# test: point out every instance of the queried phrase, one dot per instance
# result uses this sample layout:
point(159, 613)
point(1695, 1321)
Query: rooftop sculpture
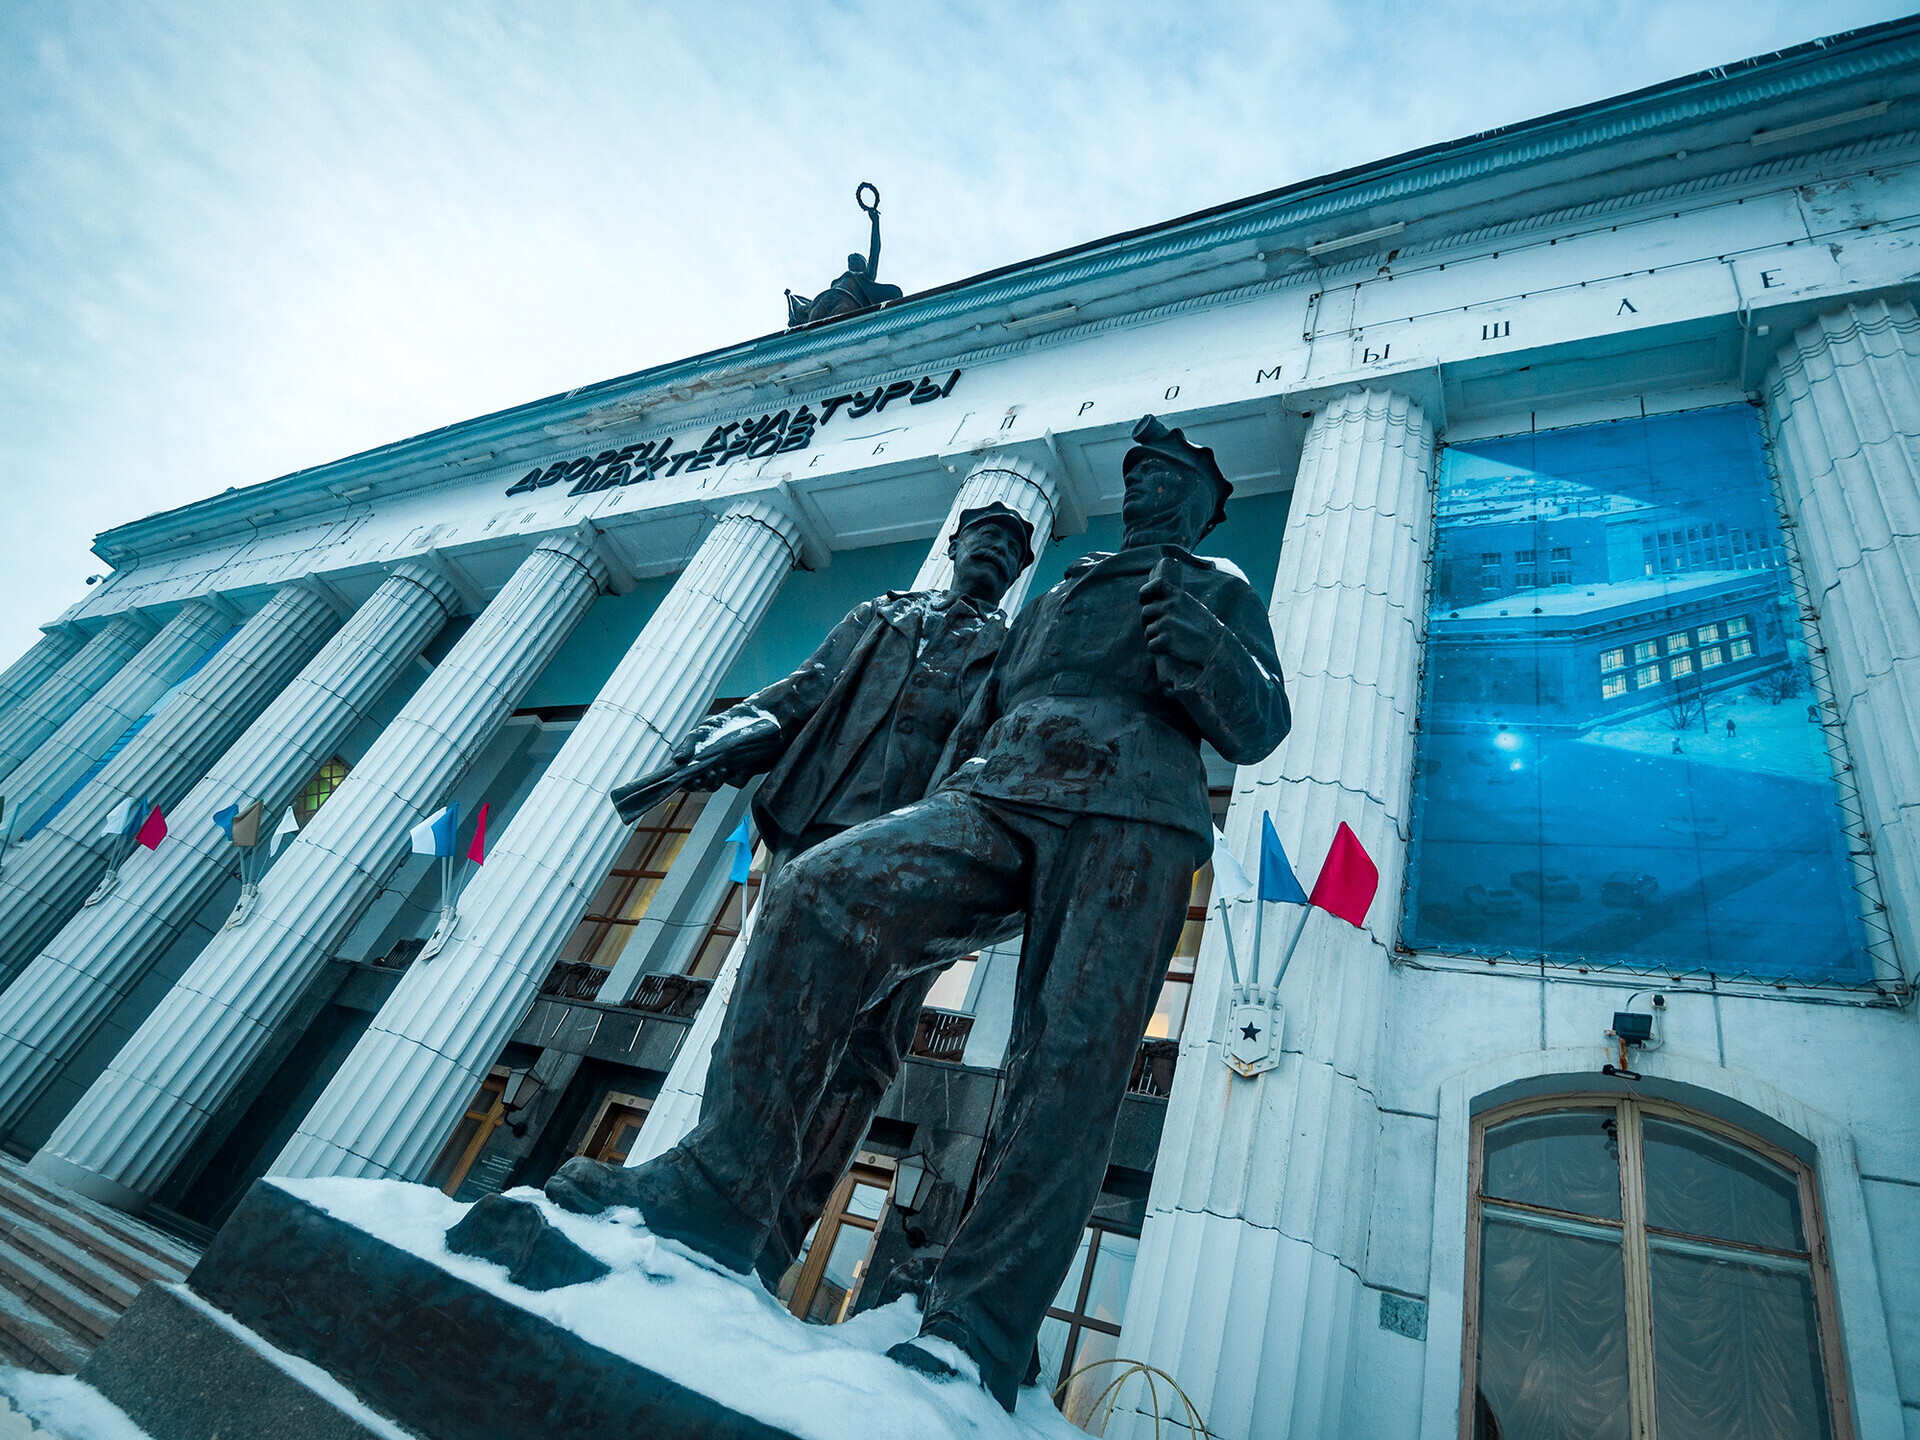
point(856, 290)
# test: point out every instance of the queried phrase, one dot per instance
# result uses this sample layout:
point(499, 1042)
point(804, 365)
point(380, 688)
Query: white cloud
point(244, 238)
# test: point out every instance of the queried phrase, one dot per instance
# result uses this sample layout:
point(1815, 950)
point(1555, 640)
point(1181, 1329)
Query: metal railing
point(941, 1035)
point(1153, 1066)
point(678, 995)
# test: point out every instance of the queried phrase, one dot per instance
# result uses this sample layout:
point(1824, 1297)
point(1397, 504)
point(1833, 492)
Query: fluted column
point(51, 874)
point(1843, 406)
point(1257, 1220)
point(72, 986)
point(390, 1108)
point(36, 787)
point(32, 670)
point(126, 1134)
point(1017, 484)
point(1021, 486)
point(51, 703)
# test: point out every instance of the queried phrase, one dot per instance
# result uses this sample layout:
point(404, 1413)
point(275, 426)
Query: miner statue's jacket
point(1074, 716)
point(866, 716)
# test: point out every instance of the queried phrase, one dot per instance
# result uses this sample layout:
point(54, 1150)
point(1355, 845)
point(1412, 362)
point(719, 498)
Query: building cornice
point(1697, 120)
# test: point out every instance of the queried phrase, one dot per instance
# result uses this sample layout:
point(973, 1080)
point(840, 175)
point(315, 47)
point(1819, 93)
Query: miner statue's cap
point(1151, 438)
point(1001, 514)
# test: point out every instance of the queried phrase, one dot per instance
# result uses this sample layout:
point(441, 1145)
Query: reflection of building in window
point(1561, 552)
point(1633, 1265)
point(821, 1285)
point(1560, 576)
point(314, 794)
point(1521, 753)
point(1083, 1323)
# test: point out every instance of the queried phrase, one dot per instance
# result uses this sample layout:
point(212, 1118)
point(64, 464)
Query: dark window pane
point(1553, 1332)
point(1704, 1185)
point(1736, 1349)
point(1569, 1160)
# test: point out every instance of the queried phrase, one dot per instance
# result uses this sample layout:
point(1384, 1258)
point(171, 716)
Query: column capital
point(430, 579)
point(583, 554)
point(781, 512)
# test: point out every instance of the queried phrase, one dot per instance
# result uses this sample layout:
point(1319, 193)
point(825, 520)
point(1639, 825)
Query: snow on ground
point(712, 1331)
point(1773, 739)
point(59, 1406)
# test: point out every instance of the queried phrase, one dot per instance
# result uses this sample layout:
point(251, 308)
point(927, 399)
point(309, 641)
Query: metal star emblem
point(1250, 1031)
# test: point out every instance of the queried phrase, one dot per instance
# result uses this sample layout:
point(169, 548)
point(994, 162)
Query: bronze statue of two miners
point(941, 783)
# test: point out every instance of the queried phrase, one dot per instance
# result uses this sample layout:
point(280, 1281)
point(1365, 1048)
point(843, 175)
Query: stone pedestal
point(126, 1134)
point(51, 703)
point(47, 880)
point(1843, 409)
point(400, 1093)
point(298, 1326)
point(73, 985)
point(1248, 1279)
point(89, 731)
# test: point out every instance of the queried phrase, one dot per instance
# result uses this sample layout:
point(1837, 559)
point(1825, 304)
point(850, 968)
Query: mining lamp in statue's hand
point(1181, 632)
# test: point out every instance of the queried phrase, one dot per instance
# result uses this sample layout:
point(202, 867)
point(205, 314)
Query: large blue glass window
point(1621, 755)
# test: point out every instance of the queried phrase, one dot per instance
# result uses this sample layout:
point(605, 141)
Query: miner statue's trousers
point(881, 907)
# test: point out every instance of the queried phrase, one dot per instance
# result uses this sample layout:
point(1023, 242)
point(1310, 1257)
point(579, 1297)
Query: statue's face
point(1166, 504)
point(987, 555)
point(857, 264)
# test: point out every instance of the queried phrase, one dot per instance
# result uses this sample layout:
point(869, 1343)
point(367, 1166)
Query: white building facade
point(1580, 465)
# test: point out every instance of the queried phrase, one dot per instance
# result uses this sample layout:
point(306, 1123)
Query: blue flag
point(225, 818)
point(743, 854)
point(434, 835)
point(1276, 872)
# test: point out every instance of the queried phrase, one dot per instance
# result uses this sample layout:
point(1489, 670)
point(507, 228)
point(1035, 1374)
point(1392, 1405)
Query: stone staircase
point(69, 1269)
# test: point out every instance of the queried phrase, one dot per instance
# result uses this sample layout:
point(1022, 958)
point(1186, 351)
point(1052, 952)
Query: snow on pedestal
point(719, 1334)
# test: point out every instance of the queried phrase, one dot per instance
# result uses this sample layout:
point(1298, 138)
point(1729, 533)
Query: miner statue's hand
point(1181, 632)
point(726, 748)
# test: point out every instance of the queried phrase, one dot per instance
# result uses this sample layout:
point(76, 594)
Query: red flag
point(152, 830)
point(477, 851)
point(1347, 880)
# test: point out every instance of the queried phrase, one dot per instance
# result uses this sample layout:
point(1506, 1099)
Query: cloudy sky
point(240, 239)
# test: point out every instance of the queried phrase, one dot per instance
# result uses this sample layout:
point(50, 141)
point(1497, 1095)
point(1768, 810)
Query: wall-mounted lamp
point(913, 1181)
point(519, 1092)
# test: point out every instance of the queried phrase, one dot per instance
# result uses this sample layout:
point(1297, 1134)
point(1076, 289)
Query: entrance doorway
point(820, 1286)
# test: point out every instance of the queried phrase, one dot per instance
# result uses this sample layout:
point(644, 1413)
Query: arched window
point(1637, 1271)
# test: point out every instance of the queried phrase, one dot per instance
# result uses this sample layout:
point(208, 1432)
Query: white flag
point(1230, 882)
point(285, 830)
point(121, 820)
